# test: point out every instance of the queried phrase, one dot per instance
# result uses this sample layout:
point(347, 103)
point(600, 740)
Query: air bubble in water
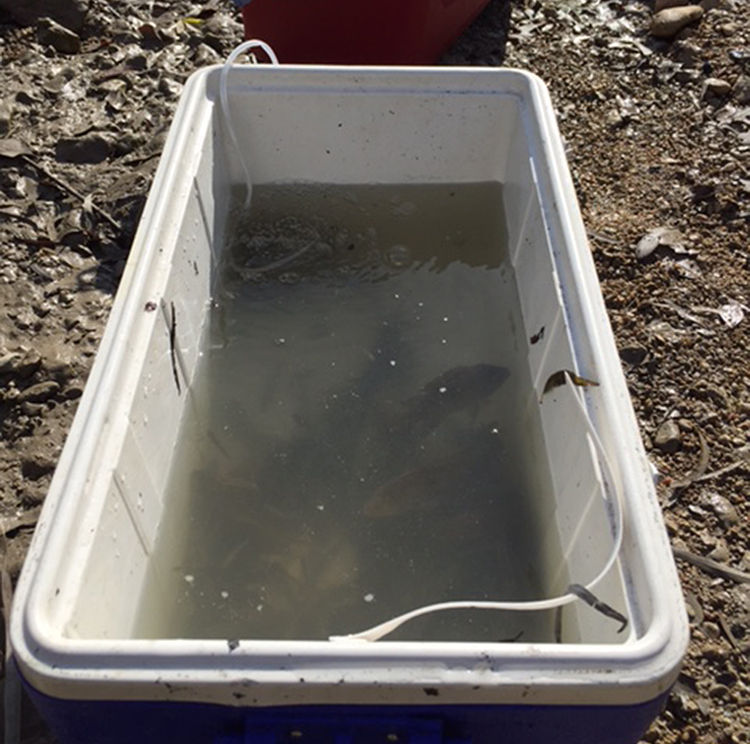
point(398, 256)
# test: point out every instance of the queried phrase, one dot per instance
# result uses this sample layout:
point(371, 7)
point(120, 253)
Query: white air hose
point(224, 102)
point(383, 629)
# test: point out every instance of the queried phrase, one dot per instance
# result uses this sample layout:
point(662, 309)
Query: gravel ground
point(656, 121)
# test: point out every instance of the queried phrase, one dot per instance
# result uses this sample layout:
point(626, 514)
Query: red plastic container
point(372, 32)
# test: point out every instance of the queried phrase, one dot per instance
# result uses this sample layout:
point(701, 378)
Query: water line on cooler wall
point(226, 114)
point(575, 591)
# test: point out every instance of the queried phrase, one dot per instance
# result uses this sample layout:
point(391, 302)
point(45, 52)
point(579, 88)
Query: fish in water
point(442, 484)
point(417, 490)
point(458, 389)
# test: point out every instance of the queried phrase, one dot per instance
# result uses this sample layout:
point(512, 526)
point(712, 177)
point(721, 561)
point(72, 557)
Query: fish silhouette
point(417, 490)
point(440, 485)
point(459, 389)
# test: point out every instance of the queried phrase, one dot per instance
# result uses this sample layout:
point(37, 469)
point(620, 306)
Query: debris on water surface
point(558, 379)
point(399, 256)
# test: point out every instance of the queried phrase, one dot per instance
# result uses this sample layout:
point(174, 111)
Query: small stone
point(25, 319)
point(8, 362)
point(205, 56)
point(57, 83)
point(720, 553)
point(713, 392)
point(741, 89)
point(6, 112)
point(727, 29)
point(712, 631)
point(33, 493)
point(666, 23)
point(716, 86)
point(40, 392)
point(714, 652)
point(74, 391)
point(687, 54)
point(12, 148)
point(218, 30)
point(633, 355)
point(32, 409)
point(169, 87)
point(668, 436)
point(92, 148)
point(671, 523)
point(718, 691)
point(51, 33)
point(724, 509)
point(689, 734)
point(36, 465)
point(26, 365)
point(125, 30)
point(69, 13)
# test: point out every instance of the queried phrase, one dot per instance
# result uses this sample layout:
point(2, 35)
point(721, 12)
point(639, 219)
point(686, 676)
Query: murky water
point(352, 450)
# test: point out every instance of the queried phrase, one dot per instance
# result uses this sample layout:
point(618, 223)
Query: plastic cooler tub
point(364, 32)
point(73, 629)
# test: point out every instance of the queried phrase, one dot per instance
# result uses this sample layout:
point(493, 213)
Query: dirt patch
point(657, 132)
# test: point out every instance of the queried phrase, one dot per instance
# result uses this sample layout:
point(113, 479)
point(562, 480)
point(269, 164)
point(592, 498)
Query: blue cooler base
point(128, 722)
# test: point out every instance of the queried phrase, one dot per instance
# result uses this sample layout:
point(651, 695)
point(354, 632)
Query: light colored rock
point(6, 112)
point(717, 86)
point(724, 509)
point(720, 553)
point(666, 23)
point(741, 89)
point(51, 33)
point(712, 631)
point(40, 392)
point(668, 437)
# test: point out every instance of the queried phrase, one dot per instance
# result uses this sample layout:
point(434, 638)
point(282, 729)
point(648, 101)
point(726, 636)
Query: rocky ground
point(656, 119)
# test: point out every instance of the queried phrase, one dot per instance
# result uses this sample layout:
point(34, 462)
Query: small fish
point(458, 389)
point(436, 485)
point(417, 490)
